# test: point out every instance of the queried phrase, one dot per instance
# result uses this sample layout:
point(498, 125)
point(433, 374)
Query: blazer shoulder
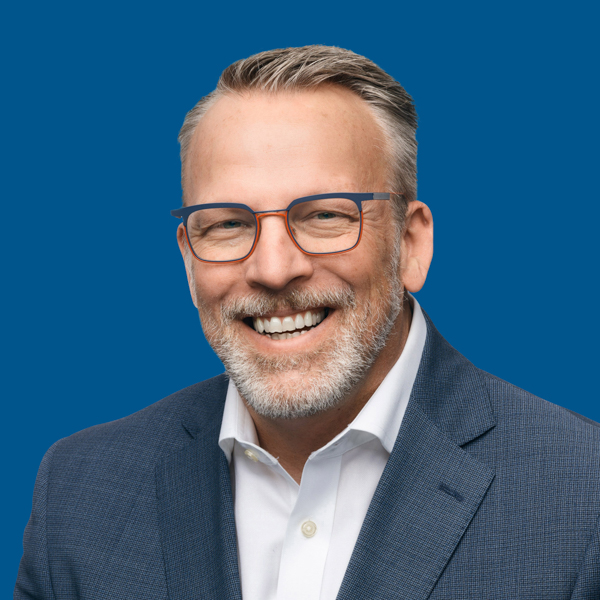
point(149, 433)
point(525, 412)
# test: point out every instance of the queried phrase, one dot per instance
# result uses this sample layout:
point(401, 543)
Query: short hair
point(291, 69)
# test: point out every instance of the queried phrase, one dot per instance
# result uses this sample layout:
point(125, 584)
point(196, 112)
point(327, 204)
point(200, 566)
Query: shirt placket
point(308, 534)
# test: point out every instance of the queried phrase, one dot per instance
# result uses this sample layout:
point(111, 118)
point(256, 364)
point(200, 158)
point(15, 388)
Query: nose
point(276, 261)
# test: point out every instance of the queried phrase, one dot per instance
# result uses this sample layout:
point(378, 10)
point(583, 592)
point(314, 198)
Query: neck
point(292, 441)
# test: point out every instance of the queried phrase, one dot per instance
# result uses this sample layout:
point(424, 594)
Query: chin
point(298, 385)
point(292, 395)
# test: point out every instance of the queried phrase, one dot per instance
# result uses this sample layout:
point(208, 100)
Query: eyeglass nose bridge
point(284, 212)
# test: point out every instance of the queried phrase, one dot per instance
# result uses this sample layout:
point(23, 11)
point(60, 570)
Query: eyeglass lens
point(318, 226)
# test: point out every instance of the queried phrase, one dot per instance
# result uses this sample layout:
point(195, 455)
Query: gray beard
point(322, 378)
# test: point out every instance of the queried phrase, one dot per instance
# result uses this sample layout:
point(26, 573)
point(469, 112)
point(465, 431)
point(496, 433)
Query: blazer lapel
point(431, 487)
point(196, 518)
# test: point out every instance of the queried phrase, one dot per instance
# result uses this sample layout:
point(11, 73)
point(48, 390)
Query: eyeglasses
point(322, 224)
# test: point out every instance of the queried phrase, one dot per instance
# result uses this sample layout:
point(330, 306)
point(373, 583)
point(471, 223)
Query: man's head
point(287, 124)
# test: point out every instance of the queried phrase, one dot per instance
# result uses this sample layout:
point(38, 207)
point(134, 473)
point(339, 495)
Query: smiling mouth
point(283, 328)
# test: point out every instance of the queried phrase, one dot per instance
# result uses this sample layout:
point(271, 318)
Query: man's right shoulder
point(145, 436)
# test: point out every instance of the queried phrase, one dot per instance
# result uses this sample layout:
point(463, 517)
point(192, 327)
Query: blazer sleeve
point(33, 580)
point(587, 586)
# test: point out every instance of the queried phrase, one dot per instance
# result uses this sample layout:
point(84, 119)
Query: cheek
point(366, 267)
point(213, 283)
point(362, 275)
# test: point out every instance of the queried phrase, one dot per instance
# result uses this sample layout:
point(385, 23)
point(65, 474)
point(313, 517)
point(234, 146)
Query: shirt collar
point(381, 416)
point(237, 423)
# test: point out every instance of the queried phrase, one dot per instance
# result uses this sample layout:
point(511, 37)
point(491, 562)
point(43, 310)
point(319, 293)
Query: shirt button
point(251, 455)
point(308, 529)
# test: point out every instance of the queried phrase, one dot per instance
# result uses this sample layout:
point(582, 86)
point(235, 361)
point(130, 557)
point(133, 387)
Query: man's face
point(264, 151)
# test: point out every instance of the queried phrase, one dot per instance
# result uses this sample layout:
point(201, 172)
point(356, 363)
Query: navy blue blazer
point(489, 493)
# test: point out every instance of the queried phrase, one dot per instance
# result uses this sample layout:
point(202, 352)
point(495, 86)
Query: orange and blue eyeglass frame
point(358, 199)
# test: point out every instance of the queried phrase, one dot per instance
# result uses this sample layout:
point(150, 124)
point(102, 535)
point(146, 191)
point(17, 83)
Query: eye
point(231, 224)
point(326, 215)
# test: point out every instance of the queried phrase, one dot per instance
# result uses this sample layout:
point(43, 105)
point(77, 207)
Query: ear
point(187, 261)
point(417, 246)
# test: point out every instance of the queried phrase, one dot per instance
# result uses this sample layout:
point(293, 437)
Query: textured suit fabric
point(489, 493)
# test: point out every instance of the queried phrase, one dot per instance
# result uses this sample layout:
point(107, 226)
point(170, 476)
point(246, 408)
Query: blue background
point(97, 321)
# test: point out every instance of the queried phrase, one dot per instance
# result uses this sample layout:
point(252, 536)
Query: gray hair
point(293, 69)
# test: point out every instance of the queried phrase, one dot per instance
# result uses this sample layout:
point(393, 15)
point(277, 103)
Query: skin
point(265, 150)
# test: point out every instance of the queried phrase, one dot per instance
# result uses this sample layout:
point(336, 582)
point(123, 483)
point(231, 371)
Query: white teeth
point(276, 324)
point(303, 332)
point(293, 323)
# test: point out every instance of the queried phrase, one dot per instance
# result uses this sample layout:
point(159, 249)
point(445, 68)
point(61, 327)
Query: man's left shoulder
point(536, 425)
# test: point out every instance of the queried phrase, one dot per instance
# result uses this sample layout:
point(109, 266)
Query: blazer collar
point(195, 507)
point(451, 391)
point(431, 487)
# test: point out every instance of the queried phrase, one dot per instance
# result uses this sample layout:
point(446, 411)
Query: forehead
point(294, 143)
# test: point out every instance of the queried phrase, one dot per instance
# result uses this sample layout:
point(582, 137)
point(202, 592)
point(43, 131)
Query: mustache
point(263, 303)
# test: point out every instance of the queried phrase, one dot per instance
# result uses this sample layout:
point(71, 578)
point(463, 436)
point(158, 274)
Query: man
point(349, 451)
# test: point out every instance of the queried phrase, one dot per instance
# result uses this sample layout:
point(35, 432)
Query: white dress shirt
point(295, 541)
